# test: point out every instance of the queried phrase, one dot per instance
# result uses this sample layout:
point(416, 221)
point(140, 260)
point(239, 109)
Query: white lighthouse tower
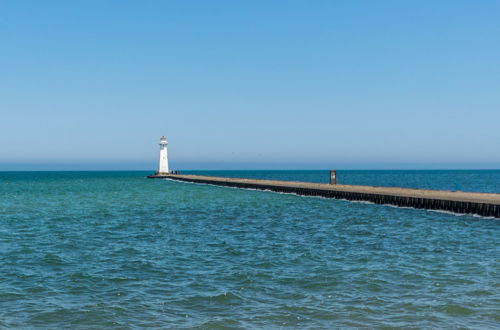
point(163, 166)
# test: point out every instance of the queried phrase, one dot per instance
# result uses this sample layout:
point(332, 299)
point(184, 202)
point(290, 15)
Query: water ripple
point(114, 250)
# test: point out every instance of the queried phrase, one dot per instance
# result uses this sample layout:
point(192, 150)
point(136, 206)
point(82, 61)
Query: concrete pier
point(484, 204)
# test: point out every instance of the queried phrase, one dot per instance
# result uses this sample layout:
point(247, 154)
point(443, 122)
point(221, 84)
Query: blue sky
point(250, 84)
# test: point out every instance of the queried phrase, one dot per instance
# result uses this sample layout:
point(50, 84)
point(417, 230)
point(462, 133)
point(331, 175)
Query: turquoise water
point(116, 250)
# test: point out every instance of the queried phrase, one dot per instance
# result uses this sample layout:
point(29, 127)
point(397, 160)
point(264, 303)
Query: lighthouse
point(163, 166)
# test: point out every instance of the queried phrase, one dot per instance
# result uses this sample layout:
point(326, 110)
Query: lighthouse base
point(163, 175)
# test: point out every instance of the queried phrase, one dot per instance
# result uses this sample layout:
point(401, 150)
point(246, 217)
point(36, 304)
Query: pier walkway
point(484, 204)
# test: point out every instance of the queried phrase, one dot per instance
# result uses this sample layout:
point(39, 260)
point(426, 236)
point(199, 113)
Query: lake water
point(116, 250)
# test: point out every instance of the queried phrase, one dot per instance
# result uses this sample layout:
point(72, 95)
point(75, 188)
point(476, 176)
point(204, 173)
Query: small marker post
point(333, 177)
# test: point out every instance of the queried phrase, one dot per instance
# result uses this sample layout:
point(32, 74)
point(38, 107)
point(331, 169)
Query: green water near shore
point(115, 250)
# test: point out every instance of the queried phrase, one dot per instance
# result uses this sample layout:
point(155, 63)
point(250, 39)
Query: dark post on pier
point(333, 177)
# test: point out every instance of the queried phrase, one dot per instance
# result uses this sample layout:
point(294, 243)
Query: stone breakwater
point(483, 204)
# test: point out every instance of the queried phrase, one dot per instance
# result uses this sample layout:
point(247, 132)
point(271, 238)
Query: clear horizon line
point(256, 170)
